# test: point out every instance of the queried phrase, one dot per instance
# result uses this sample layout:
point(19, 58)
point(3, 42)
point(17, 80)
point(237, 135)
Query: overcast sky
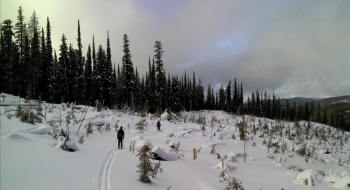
point(290, 48)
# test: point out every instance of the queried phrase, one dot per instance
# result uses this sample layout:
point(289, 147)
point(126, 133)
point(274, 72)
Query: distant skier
point(158, 125)
point(120, 136)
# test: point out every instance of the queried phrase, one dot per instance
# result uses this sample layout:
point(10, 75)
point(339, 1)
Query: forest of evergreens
point(30, 68)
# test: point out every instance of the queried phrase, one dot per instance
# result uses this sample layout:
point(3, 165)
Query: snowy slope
point(30, 159)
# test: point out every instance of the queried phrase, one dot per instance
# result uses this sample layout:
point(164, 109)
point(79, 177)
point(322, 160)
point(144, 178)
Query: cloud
point(291, 48)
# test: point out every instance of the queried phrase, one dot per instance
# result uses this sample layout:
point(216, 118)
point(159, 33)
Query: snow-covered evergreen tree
point(108, 76)
point(63, 69)
point(80, 70)
point(228, 97)
point(129, 71)
point(101, 60)
point(7, 46)
point(146, 168)
point(72, 75)
point(34, 38)
point(159, 73)
point(50, 63)
point(88, 76)
point(20, 33)
point(176, 107)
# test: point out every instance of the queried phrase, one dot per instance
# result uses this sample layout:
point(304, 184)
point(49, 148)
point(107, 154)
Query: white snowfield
point(31, 158)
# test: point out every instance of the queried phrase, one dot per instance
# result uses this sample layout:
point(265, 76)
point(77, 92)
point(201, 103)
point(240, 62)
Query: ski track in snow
point(106, 170)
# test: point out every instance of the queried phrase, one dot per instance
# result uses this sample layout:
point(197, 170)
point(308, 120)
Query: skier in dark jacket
point(120, 136)
point(158, 125)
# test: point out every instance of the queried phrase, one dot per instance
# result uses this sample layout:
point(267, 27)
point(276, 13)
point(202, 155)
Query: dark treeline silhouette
point(30, 68)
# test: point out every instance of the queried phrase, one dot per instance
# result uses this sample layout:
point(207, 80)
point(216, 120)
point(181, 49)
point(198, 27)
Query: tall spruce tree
point(194, 93)
point(34, 36)
point(200, 95)
point(228, 97)
point(241, 98)
point(257, 108)
point(43, 82)
point(72, 92)
point(120, 84)
point(95, 72)
point(158, 54)
point(252, 108)
point(27, 65)
point(50, 62)
point(235, 97)
point(129, 72)
point(176, 105)
point(79, 69)
point(20, 33)
point(108, 76)
point(63, 69)
point(88, 76)
point(114, 87)
point(221, 101)
point(101, 60)
point(152, 87)
point(56, 79)
point(7, 54)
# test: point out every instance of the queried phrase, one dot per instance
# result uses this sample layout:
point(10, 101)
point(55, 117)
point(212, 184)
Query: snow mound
point(16, 137)
point(72, 145)
point(136, 138)
point(213, 144)
point(223, 165)
point(142, 142)
point(174, 145)
point(341, 172)
point(60, 143)
point(307, 177)
point(164, 116)
point(220, 135)
point(43, 129)
point(137, 132)
point(343, 183)
point(170, 134)
point(161, 155)
point(98, 122)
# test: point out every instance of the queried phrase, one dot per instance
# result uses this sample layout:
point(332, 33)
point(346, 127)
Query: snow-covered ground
point(31, 158)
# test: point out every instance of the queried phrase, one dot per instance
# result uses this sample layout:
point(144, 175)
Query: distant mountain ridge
point(323, 101)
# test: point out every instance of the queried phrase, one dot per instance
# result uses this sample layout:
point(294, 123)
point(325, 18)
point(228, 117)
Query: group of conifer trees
point(30, 68)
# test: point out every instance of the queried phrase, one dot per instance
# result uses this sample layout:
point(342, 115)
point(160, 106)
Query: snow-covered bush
point(29, 115)
point(108, 127)
point(307, 177)
point(234, 184)
point(62, 142)
point(141, 125)
point(81, 139)
point(88, 128)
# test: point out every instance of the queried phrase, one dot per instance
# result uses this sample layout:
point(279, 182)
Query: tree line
point(30, 68)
